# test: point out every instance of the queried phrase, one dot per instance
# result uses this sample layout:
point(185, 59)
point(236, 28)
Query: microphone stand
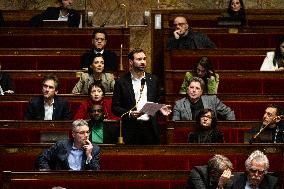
point(260, 131)
point(120, 138)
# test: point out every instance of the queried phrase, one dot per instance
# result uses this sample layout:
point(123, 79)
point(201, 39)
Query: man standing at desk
point(131, 92)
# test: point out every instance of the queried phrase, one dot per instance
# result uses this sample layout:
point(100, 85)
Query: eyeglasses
point(206, 116)
point(83, 132)
point(179, 24)
point(98, 110)
point(254, 171)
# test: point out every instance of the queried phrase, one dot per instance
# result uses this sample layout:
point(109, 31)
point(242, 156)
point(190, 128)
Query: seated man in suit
point(99, 41)
point(185, 38)
point(271, 130)
point(72, 154)
point(48, 106)
point(256, 176)
point(101, 132)
point(62, 13)
point(188, 108)
point(215, 175)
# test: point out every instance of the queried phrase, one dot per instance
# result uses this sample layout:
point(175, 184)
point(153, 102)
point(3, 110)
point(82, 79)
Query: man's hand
point(166, 110)
point(135, 114)
point(224, 178)
point(88, 148)
point(177, 34)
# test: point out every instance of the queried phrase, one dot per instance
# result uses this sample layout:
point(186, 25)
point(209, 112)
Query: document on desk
point(151, 108)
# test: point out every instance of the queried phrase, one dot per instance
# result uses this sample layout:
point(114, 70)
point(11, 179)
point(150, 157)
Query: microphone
point(143, 81)
point(120, 138)
point(262, 129)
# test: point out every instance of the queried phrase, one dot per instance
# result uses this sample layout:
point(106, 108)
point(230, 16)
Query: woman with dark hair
point(274, 60)
point(62, 13)
point(95, 74)
point(96, 96)
point(204, 70)
point(236, 11)
point(206, 131)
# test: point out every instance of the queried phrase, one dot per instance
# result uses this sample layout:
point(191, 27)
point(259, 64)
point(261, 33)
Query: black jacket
point(35, 110)
point(52, 13)
point(110, 64)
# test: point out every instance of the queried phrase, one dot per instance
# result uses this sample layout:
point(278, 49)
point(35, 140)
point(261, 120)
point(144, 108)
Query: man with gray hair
point(255, 177)
point(77, 153)
point(216, 174)
point(188, 108)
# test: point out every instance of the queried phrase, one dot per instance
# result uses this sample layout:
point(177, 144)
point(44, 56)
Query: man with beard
point(101, 132)
point(62, 13)
point(256, 177)
point(131, 92)
point(48, 106)
point(207, 131)
point(99, 41)
point(271, 130)
point(77, 153)
point(185, 38)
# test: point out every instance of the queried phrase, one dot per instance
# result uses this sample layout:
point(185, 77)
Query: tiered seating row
point(245, 109)
point(48, 58)
point(222, 59)
point(60, 37)
point(171, 132)
point(236, 82)
point(118, 179)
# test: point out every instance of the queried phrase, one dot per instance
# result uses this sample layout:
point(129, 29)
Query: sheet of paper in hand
point(151, 108)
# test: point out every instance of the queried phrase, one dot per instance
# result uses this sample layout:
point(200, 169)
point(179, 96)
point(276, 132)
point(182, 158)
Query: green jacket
point(212, 83)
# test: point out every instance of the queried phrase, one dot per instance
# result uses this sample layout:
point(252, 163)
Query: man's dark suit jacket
point(52, 13)
point(199, 178)
point(268, 182)
point(6, 82)
point(56, 157)
point(124, 99)
point(35, 110)
point(110, 132)
point(2, 22)
point(109, 60)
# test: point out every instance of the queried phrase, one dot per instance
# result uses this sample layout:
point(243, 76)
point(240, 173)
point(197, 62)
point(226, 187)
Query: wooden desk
point(119, 179)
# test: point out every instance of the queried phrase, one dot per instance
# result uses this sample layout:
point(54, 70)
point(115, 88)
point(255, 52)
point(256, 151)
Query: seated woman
point(274, 60)
point(95, 74)
point(207, 131)
point(236, 12)
point(203, 69)
point(62, 13)
point(96, 94)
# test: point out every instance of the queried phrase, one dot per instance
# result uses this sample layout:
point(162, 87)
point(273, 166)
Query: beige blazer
point(86, 80)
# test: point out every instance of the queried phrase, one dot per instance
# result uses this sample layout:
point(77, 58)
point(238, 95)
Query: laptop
point(55, 23)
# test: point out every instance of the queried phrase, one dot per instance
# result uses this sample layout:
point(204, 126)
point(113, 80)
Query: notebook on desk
point(55, 23)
